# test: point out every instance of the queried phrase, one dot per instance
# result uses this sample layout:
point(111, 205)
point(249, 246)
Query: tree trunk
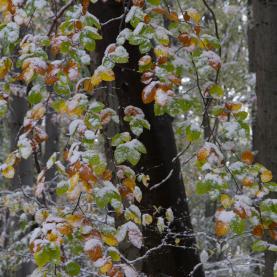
point(265, 131)
point(158, 162)
point(24, 171)
point(52, 144)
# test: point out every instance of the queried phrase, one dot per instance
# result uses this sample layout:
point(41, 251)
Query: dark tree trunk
point(265, 131)
point(52, 144)
point(158, 162)
point(24, 171)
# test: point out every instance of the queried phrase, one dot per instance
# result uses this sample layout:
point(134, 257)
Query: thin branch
point(59, 15)
point(77, 204)
point(113, 19)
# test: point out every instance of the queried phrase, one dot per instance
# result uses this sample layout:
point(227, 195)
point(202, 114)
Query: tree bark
point(158, 162)
point(24, 171)
point(265, 131)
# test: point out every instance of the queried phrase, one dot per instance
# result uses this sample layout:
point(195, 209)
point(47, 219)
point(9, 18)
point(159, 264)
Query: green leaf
point(203, 187)
point(241, 115)
point(259, 246)
point(192, 134)
point(216, 91)
point(120, 154)
point(154, 2)
point(238, 225)
point(120, 138)
point(34, 97)
point(62, 188)
point(92, 20)
point(72, 269)
point(105, 195)
point(91, 33)
point(145, 46)
point(114, 254)
point(137, 125)
point(41, 258)
point(133, 157)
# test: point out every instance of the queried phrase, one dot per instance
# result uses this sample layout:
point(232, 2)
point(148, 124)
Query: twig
point(59, 14)
point(77, 204)
point(113, 19)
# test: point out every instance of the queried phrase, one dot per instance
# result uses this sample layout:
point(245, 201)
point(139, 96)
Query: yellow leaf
point(145, 60)
point(74, 219)
point(38, 111)
point(73, 181)
point(8, 172)
point(5, 66)
point(4, 5)
point(194, 15)
point(106, 267)
point(161, 51)
point(107, 75)
point(109, 239)
point(147, 219)
point(95, 79)
point(266, 176)
point(226, 201)
point(129, 183)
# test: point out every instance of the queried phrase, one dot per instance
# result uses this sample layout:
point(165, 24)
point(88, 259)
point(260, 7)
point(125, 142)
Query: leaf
point(203, 187)
point(259, 246)
point(107, 75)
point(226, 201)
point(114, 254)
point(266, 176)
point(134, 234)
point(238, 225)
point(133, 213)
point(41, 258)
point(109, 239)
point(192, 134)
point(62, 188)
point(160, 224)
point(221, 228)
point(216, 91)
point(146, 219)
point(34, 97)
point(194, 15)
point(169, 215)
point(72, 269)
point(154, 2)
point(4, 5)
point(106, 267)
point(138, 194)
point(120, 138)
point(247, 157)
point(46, 255)
point(104, 195)
point(8, 172)
point(24, 147)
point(51, 161)
point(5, 66)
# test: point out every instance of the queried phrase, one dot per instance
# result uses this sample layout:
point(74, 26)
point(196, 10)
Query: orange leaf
point(148, 93)
point(258, 231)
point(203, 154)
point(221, 228)
point(247, 157)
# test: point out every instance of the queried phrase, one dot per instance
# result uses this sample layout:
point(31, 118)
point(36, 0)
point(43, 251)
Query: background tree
point(264, 58)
